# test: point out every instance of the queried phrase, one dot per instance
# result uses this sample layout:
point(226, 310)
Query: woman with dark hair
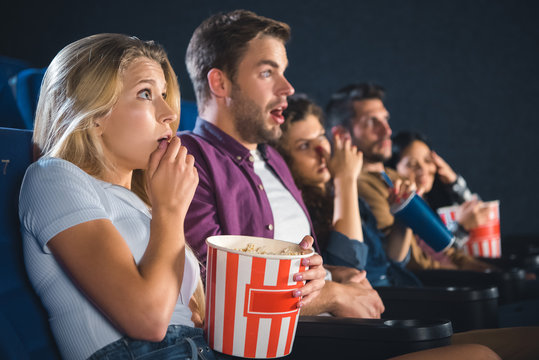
point(439, 185)
point(445, 188)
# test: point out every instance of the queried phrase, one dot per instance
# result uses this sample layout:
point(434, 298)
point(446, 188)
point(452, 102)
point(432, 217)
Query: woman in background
point(414, 159)
point(441, 185)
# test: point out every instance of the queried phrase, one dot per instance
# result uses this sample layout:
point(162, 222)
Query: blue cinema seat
point(11, 66)
point(27, 84)
point(188, 116)
point(9, 114)
point(24, 330)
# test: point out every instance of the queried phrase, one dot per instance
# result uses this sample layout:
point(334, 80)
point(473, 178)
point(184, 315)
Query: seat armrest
point(327, 337)
point(467, 308)
point(510, 283)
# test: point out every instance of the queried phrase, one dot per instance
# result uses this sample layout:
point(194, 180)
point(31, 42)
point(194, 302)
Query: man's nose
point(386, 129)
point(285, 88)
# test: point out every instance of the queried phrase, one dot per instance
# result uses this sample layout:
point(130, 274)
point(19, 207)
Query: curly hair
point(319, 201)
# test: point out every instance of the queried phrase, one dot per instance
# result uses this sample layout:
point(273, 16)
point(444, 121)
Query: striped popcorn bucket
point(250, 310)
point(448, 214)
point(485, 240)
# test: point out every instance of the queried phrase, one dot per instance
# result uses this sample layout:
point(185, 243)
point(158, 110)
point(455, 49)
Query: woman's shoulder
point(51, 164)
point(53, 175)
point(50, 167)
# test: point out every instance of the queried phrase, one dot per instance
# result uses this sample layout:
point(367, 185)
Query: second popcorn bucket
point(250, 310)
point(484, 240)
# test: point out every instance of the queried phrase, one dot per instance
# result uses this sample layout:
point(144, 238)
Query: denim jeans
point(180, 342)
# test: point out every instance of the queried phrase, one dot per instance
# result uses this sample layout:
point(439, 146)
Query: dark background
point(465, 72)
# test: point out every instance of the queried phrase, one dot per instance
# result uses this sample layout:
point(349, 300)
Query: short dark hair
point(221, 41)
point(400, 142)
point(340, 109)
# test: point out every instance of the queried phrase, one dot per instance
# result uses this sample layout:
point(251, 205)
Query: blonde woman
point(102, 211)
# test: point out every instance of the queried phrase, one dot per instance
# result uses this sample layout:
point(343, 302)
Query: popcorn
point(251, 248)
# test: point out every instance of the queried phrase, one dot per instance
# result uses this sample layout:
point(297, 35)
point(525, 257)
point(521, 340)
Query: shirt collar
point(225, 142)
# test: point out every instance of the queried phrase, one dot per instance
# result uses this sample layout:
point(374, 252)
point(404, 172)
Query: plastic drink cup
point(415, 213)
point(485, 240)
point(250, 310)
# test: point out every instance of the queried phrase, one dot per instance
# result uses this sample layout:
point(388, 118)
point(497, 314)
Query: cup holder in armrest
point(440, 293)
point(325, 337)
point(467, 308)
point(510, 282)
point(413, 323)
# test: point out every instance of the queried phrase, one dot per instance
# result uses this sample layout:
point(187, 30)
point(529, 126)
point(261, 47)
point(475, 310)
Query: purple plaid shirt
point(230, 198)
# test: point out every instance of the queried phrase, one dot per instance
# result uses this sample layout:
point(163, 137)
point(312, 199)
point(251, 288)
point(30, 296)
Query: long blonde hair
point(81, 85)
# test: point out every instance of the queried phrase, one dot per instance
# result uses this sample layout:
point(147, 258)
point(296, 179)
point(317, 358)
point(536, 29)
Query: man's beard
point(374, 157)
point(249, 119)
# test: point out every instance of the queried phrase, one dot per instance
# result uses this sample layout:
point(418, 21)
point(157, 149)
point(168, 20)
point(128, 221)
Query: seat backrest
point(24, 329)
point(28, 85)
point(188, 115)
point(10, 66)
point(9, 112)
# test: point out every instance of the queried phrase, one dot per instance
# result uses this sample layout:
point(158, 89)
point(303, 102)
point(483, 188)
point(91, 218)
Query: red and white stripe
point(485, 241)
point(448, 215)
point(488, 246)
point(250, 311)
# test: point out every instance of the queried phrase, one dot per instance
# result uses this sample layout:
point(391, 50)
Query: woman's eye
point(164, 95)
point(266, 73)
point(303, 146)
point(145, 94)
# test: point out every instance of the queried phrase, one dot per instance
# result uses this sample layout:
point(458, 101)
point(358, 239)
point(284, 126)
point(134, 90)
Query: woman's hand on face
point(171, 177)
point(401, 190)
point(444, 171)
point(346, 160)
point(314, 276)
point(472, 214)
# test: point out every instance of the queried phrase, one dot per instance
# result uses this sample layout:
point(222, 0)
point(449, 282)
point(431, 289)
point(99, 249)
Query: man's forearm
point(323, 303)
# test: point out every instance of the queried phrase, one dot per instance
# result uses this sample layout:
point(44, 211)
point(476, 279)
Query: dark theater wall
point(464, 72)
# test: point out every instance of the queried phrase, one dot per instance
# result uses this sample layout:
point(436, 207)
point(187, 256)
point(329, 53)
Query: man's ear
point(219, 83)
